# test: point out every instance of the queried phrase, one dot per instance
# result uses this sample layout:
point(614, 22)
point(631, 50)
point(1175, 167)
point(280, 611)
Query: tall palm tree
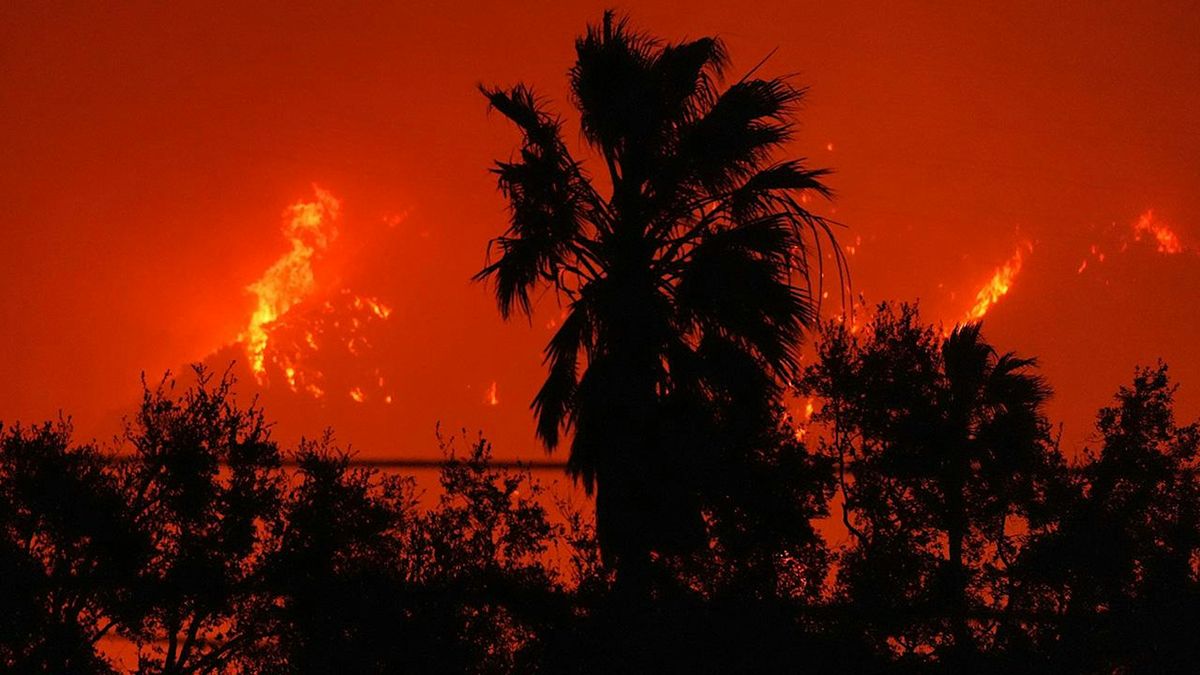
point(684, 269)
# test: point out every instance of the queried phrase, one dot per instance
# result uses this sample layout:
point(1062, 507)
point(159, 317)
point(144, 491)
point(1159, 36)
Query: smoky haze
point(151, 157)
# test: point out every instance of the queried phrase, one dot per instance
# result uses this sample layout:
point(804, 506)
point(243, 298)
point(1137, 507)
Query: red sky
point(148, 154)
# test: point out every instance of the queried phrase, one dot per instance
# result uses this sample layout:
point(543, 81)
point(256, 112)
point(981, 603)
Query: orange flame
point(299, 328)
point(1164, 237)
point(1000, 283)
point(311, 337)
point(312, 225)
point(1146, 228)
point(491, 398)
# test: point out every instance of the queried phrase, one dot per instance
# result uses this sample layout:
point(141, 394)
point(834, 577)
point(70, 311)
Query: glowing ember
point(1096, 253)
point(1000, 283)
point(1164, 237)
point(491, 397)
point(310, 228)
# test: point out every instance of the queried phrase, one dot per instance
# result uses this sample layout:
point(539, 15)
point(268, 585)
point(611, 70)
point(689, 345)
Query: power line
point(410, 463)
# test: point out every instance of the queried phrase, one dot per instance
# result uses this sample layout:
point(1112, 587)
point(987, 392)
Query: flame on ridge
point(1000, 283)
point(316, 338)
point(1164, 237)
point(1146, 228)
point(310, 227)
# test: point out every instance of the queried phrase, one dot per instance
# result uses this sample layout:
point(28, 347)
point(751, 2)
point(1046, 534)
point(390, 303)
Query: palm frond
point(759, 192)
point(731, 288)
point(554, 402)
point(611, 83)
point(747, 122)
point(522, 106)
point(549, 202)
point(687, 74)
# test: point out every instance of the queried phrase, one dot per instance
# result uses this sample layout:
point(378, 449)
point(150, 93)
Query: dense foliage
point(970, 542)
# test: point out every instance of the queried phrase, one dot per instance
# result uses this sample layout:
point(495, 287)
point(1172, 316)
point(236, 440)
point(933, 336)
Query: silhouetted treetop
point(946, 459)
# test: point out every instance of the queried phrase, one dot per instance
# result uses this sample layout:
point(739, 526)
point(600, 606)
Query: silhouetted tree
point(946, 459)
point(200, 549)
point(340, 603)
point(362, 580)
point(683, 269)
point(482, 559)
point(1121, 572)
point(204, 485)
point(973, 547)
point(68, 551)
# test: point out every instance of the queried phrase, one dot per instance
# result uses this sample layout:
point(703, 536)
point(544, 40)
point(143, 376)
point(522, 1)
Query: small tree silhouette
point(947, 459)
point(363, 580)
point(204, 486)
point(482, 555)
point(1122, 570)
point(68, 551)
point(341, 601)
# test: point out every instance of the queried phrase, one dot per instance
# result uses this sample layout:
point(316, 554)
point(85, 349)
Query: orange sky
point(149, 155)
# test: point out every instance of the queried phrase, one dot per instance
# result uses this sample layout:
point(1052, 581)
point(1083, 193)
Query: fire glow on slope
point(1164, 237)
point(310, 228)
point(1147, 228)
point(316, 338)
point(1000, 283)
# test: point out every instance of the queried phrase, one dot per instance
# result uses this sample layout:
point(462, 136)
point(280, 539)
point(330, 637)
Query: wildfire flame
point(1000, 283)
point(302, 331)
point(309, 229)
point(799, 419)
point(1164, 237)
point(1146, 228)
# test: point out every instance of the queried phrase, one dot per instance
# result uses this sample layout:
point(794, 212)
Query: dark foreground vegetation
point(971, 543)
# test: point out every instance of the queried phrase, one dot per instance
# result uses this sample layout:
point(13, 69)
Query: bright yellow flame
point(298, 327)
point(310, 227)
point(373, 305)
point(1000, 283)
point(1164, 237)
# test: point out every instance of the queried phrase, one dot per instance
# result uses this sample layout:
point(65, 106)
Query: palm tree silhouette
point(686, 286)
point(947, 445)
point(993, 447)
